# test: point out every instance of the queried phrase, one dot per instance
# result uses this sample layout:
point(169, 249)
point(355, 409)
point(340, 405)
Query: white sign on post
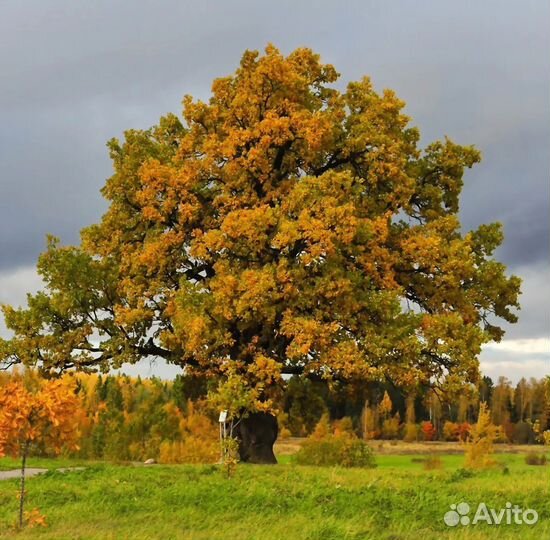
point(223, 417)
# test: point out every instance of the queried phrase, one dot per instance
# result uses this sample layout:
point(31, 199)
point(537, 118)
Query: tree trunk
point(22, 493)
point(257, 434)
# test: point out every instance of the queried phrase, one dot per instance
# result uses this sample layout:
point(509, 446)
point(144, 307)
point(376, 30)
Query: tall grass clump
point(532, 458)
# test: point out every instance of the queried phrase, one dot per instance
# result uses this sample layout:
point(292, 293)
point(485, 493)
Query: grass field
point(397, 500)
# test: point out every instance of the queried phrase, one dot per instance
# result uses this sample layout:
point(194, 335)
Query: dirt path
point(32, 471)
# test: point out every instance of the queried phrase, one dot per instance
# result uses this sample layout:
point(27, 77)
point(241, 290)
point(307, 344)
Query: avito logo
point(510, 514)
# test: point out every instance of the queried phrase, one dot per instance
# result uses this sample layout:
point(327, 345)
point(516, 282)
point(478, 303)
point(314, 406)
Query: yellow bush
point(479, 447)
point(190, 450)
point(323, 428)
point(345, 450)
point(198, 441)
point(390, 427)
point(451, 431)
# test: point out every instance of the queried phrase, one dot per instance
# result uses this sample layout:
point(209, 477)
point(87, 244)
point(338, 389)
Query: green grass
point(397, 500)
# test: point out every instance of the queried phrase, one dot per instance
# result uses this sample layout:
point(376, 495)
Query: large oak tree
point(283, 227)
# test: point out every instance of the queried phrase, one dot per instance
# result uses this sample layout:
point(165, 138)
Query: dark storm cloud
point(512, 186)
point(73, 74)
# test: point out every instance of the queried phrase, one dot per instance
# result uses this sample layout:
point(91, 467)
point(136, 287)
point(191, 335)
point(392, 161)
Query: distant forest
point(126, 418)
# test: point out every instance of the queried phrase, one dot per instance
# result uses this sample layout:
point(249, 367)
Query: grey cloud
point(514, 365)
point(534, 315)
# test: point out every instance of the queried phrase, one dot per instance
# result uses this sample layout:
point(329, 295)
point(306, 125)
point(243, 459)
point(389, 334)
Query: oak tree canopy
point(282, 227)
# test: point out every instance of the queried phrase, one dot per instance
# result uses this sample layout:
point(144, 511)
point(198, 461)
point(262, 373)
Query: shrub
point(532, 458)
point(450, 431)
point(461, 474)
point(428, 431)
point(198, 442)
point(344, 450)
point(430, 462)
point(354, 452)
point(191, 450)
point(390, 427)
point(411, 432)
point(479, 447)
point(323, 428)
point(433, 462)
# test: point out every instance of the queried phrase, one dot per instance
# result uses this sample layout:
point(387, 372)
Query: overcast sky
point(74, 73)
